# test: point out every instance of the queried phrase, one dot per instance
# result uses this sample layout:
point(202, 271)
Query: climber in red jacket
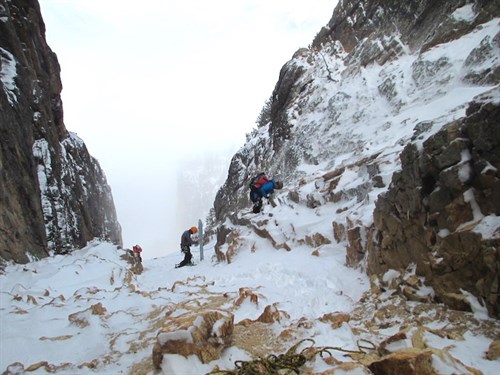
point(137, 252)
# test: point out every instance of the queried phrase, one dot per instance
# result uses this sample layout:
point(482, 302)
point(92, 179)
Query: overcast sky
point(148, 83)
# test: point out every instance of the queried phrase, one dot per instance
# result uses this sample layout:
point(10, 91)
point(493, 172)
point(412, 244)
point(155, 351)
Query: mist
point(157, 202)
point(164, 92)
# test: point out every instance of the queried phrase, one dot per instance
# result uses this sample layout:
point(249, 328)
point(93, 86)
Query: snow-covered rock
point(387, 124)
point(54, 196)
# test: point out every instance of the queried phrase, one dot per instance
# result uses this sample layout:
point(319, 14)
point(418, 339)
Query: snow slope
point(37, 298)
point(86, 313)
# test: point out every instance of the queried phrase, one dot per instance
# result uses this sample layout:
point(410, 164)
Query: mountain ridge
point(353, 115)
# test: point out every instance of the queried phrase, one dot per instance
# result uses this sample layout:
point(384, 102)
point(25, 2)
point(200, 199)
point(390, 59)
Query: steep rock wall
point(359, 34)
point(439, 210)
point(53, 194)
point(375, 89)
point(422, 24)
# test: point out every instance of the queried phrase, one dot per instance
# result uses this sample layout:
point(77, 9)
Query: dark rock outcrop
point(435, 212)
point(420, 23)
point(53, 194)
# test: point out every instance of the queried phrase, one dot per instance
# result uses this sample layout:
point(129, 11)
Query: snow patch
point(8, 74)
point(480, 311)
point(471, 199)
point(489, 227)
point(465, 13)
point(390, 275)
point(180, 335)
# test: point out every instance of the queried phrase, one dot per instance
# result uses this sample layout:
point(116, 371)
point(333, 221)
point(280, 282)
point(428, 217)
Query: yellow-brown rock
point(407, 362)
point(271, 314)
point(202, 334)
point(336, 319)
point(494, 351)
point(413, 361)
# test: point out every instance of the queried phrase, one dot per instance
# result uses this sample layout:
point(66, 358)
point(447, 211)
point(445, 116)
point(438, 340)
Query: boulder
point(419, 362)
point(494, 351)
point(355, 246)
point(339, 231)
point(83, 318)
point(271, 314)
point(204, 335)
point(336, 319)
point(316, 240)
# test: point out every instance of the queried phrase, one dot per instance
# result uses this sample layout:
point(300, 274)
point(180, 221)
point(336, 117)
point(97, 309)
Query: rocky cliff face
point(389, 121)
point(442, 210)
point(53, 194)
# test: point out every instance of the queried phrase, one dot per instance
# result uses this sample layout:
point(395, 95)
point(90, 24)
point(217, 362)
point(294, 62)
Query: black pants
point(187, 258)
point(257, 206)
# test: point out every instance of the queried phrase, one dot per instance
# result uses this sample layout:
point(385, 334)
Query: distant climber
point(137, 252)
point(186, 242)
point(262, 187)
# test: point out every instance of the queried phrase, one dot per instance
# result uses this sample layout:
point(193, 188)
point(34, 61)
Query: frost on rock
point(465, 13)
point(61, 223)
point(345, 110)
point(76, 200)
point(489, 227)
point(349, 121)
point(4, 15)
point(8, 73)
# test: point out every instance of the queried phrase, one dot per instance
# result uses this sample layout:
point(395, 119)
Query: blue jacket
point(267, 189)
point(264, 191)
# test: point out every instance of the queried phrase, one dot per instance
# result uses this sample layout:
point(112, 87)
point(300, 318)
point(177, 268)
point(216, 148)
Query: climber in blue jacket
point(262, 187)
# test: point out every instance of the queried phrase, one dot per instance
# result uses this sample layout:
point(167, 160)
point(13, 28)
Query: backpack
point(258, 181)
